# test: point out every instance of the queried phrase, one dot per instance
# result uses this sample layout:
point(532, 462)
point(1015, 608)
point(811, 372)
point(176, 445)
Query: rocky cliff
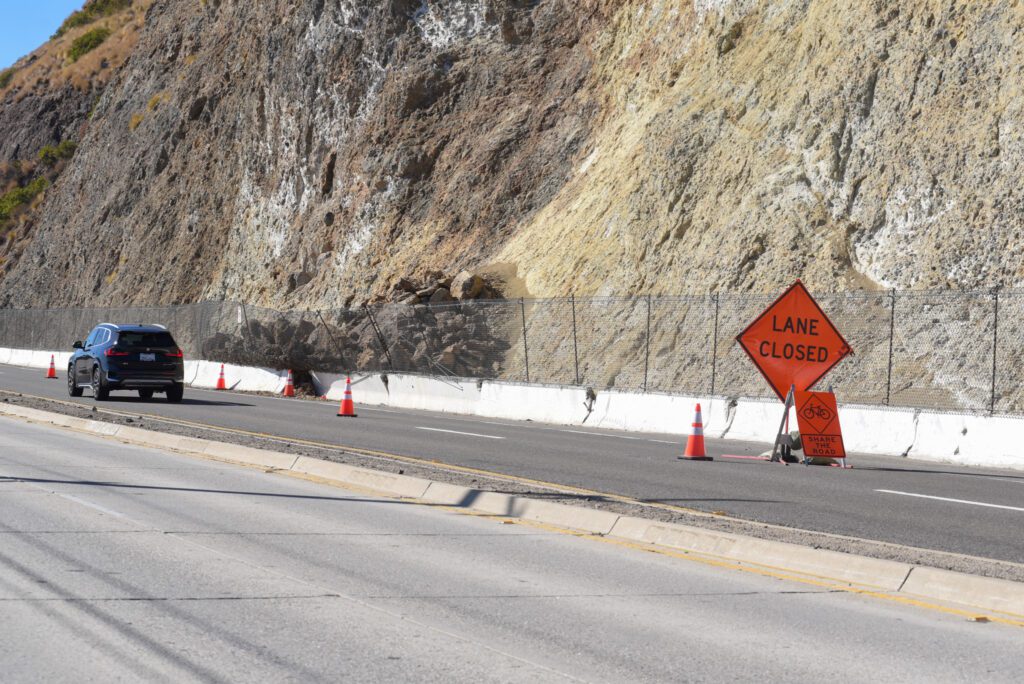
point(46, 103)
point(311, 152)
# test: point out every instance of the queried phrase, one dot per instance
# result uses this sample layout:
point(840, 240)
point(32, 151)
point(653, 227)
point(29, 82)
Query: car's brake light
point(111, 351)
point(176, 354)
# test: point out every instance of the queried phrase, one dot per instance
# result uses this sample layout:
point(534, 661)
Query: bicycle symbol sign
point(817, 417)
point(817, 412)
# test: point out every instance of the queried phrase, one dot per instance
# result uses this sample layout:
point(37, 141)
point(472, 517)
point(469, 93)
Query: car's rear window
point(131, 340)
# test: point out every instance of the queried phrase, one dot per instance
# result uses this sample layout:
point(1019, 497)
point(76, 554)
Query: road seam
point(818, 567)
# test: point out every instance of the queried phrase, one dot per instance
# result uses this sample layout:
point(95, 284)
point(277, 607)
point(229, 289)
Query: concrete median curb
point(860, 570)
point(983, 593)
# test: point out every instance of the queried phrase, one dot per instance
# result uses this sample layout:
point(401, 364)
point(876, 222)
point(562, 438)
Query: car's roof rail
point(157, 325)
point(112, 325)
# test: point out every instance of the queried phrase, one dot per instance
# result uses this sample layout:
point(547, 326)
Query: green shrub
point(6, 76)
point(87, 42)
point(19, 196)
point(51, 154)
point(94, 11)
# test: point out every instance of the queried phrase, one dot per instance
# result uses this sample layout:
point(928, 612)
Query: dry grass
point(137, 118)
point(154, 102)
point(47, 68)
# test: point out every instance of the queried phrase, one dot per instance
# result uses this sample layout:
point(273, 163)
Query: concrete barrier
point(973, 440)
point(239, 378)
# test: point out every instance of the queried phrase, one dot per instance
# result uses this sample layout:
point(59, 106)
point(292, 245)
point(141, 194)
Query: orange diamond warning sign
point(818, 419)
point(793, 342)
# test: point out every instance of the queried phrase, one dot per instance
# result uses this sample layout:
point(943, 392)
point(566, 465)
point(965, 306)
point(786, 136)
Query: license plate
point(147, 357)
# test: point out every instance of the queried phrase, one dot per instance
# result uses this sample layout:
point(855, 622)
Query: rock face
point(302, 153)
point(46, 100)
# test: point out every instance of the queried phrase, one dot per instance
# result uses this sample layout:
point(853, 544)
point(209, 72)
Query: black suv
point(144, 358)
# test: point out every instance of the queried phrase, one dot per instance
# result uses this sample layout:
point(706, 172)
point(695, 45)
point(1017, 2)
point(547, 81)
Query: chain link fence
point(945, 350)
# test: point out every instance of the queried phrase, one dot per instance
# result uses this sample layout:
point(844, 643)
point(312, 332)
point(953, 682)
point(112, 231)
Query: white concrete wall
point(974, 440)
point(204, 374)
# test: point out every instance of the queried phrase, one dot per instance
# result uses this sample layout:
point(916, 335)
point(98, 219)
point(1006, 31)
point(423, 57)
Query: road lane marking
point(413, 412)
point(456, 432)
point(959, 501)
point(602, 434)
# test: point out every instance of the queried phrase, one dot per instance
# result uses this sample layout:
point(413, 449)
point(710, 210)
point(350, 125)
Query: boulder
point(448, 357)
point(467, 285)
point(441, 296)
point(403, 285)
point(411, 299)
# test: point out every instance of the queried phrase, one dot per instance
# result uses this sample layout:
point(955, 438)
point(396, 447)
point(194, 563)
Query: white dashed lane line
point(959, 501)
point(456, 432)
point(601, 434)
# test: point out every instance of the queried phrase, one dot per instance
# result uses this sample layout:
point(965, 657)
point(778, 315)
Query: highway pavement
point(119, 563)
point(971, 511)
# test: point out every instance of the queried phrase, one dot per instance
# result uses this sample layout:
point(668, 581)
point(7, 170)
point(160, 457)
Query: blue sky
point(27, 24)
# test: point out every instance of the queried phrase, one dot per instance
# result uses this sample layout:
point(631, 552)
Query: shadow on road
point(187, 401)
point(121, 485)
point(929, 471)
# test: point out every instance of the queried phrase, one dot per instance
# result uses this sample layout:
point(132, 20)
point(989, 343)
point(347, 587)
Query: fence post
point(248, 328)
point(380, 337)
point(526, 349)
point(892, 334)
point(575, 346)
point(714, 347)
point(334, 341)
point(995, 346)
point(647, 343)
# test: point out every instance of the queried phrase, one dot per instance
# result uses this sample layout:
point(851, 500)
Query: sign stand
point(782, 450)
point(794, 344)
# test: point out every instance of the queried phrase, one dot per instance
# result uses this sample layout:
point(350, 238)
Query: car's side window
point(89, 341)
point(103, 336)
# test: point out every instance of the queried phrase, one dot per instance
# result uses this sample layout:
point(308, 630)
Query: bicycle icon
point(819, 412)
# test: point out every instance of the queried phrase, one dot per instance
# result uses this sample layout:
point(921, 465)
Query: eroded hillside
point(311, 152)
point(46, 100)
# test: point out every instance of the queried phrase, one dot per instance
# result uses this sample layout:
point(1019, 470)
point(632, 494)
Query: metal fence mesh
point(933, 350)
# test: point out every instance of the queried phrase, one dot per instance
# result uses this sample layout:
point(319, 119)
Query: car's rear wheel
point(73, 389)
point(99, 392)
point(145, 394)
point(175, 393)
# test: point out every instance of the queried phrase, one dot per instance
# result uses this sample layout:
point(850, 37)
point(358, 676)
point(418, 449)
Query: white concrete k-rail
point(961, 439)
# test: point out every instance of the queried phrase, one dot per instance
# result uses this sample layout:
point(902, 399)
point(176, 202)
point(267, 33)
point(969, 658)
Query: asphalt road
point(121, 563)
point(972, 511)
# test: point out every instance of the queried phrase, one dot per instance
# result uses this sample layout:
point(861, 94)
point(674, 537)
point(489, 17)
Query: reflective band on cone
point(52, 373)
point(221, 385)
point(348, 407)
point(695, 442)
point(289, 386)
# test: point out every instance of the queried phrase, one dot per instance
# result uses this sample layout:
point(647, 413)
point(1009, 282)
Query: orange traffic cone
point(695, 442)
point(52, 373)
point(289, 386)
point(221, 385)
point(348, 407)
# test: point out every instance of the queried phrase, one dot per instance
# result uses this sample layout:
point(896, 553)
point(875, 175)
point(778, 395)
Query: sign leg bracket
point(782, 450)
